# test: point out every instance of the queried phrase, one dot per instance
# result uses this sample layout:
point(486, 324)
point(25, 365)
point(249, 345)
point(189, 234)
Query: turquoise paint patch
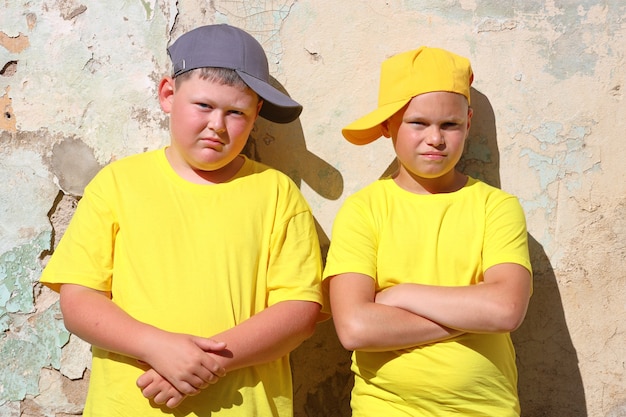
point(149, 10)
point(38, 341)
point(566, 160)
point(451, 9)
point(548, 133)
point(38, 346)
point(19, 270)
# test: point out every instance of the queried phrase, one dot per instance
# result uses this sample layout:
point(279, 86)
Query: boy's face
point(209, 126)
point(429, 136)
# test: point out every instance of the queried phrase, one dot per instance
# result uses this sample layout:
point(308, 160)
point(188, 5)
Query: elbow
point(509, 318)
point(308, 330)
point(310, 317)
point(350, 335)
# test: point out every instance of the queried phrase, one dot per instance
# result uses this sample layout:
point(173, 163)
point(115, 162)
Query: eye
point(450, 125)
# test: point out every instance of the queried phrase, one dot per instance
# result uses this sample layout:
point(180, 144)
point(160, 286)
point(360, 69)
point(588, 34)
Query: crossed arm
point(183, 364)
point(408, 315)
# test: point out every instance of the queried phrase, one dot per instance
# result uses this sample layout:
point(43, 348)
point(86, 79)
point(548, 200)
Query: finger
point(145, 379)
point(209, 345)
point(213, 369)
point(218, 370)
point(187, 388)
point(162, 397)
point(174, 401)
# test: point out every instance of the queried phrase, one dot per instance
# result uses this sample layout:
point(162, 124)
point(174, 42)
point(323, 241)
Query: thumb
point(209, 345)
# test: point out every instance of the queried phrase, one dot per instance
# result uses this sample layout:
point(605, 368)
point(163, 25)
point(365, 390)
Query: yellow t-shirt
point(188, 258)
point(395, 236)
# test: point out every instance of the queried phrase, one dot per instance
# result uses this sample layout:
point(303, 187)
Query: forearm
point(268, 335)
point(362, 324)
point(180, 358)
point(497, 305)
point(93, 317)
point(375, 327)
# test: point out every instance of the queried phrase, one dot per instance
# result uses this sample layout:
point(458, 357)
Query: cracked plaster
point(550, 81)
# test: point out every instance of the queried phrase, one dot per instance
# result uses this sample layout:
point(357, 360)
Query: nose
point(435, 137)
point(216, 121)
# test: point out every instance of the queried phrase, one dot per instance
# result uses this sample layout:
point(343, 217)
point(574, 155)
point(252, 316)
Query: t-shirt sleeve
point(295, 264)
point(84, 255)
point(506, 237)
point(353, 246)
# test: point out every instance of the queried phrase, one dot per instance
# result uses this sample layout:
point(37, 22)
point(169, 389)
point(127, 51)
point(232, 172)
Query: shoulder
point(136, 162)
point(371, 193)
point(261, 175)
point(372, 201)
point(127, 170)
point(494, 200)
point(262, 182)
point(485, 191)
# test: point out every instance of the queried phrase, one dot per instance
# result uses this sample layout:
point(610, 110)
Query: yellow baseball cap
point(406, 75)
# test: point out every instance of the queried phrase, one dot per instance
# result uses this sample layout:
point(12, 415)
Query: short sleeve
point(354, 240)
point(506, 237)
point(295, 261)
point(84, 255)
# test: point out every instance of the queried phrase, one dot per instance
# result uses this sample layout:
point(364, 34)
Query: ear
point(166, 94)
point(470, 113)
point(384, 127)
point(258, 107)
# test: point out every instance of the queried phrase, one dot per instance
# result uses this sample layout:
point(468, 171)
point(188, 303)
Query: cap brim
point(277, 106)
point(368, 128)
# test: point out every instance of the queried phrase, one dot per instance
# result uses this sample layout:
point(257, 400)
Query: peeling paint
point(74, 165)
point(19, 270)
point(78, 89)
point(7, 118)
point(37, 347)
point(14, 44)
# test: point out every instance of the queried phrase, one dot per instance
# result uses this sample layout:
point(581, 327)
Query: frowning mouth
point(216, 141)
point(433, 155)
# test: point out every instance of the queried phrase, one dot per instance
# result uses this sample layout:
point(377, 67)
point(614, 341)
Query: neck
point(448, 183)
point(202, 177)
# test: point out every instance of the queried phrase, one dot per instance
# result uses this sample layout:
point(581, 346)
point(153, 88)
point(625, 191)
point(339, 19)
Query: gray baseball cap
point(225, 46)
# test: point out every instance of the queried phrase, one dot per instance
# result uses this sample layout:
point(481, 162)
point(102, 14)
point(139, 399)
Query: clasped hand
point(181, 366)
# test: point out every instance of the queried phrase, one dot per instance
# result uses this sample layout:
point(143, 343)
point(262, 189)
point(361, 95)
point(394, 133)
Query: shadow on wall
point(550, 384)
point(321, 366)
point(282, 146)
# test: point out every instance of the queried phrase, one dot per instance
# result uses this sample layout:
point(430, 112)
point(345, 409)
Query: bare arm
point(362, 324)
point(180, 358)
point(268, 335)
point(264, 337)
point(497, 305)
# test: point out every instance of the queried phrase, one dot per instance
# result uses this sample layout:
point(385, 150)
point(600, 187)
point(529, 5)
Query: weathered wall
point(77, 90)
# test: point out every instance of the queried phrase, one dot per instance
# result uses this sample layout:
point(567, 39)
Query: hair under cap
point(406, 75)
point(225, 46)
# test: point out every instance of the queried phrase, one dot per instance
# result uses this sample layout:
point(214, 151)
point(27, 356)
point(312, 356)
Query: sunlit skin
point(210, 123)
point(429, 136)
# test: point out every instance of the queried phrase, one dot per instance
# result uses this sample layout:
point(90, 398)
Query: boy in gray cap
point(192, 270)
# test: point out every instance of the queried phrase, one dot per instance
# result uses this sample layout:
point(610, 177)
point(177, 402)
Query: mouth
point(216, 141)
point(433, 155)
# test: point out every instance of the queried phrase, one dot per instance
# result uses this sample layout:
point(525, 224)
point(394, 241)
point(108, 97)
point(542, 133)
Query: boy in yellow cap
point(428, 269)
point(193, 270)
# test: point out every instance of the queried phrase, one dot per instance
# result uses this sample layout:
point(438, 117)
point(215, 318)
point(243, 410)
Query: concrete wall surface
point(78, 89)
